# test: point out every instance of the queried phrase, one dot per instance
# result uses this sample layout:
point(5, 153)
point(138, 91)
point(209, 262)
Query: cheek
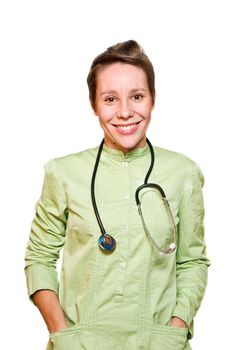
point(105, 114)
point(145, 111)
point(103, 119)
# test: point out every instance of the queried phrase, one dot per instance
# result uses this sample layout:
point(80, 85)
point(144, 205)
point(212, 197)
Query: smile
point(127, 129)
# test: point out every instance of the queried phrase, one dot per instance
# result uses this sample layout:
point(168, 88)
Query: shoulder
point(173, 156)
point(62, 164)
point(179, 164)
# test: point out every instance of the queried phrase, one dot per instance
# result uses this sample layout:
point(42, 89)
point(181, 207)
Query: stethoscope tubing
point(101, 226)
point(107, 242)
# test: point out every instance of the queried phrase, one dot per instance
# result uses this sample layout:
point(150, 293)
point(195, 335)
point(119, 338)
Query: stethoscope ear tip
point(171, 249)
point(172, 246)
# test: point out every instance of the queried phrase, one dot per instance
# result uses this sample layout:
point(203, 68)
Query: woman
point(128, 281)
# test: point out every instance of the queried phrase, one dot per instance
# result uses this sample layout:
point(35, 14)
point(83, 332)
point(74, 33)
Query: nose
point(125, 111)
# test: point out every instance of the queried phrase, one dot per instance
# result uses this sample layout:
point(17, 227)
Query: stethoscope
point(106, 242)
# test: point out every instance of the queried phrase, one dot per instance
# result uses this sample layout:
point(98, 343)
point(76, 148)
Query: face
point(123, 105)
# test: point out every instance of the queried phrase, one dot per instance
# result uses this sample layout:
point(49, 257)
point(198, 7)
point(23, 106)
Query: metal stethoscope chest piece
point(106, 242)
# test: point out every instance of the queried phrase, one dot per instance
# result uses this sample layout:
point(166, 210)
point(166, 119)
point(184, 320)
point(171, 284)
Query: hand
point(178, 322)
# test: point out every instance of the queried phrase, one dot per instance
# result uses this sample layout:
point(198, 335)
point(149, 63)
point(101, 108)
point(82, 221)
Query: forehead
point(119, 74)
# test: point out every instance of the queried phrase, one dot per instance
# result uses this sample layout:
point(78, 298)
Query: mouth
point(126, 129)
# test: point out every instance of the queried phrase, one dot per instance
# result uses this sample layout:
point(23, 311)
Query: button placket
point(123, 243)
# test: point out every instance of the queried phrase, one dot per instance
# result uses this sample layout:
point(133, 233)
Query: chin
point(129, 145)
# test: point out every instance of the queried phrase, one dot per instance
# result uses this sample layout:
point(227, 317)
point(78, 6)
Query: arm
point(191, 260)
point(46, 239)
point(50, 308)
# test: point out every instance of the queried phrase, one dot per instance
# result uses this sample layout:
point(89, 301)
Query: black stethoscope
point(107, 242)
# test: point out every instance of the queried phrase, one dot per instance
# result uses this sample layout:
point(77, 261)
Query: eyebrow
point(115, 92)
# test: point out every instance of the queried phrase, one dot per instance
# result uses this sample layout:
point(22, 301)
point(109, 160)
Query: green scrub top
point(123, 300)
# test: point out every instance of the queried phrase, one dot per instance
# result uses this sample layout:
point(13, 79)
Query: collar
point(121, 156)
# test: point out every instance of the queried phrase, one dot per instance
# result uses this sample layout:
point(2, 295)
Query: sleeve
point(191, 260)
point(47, 234)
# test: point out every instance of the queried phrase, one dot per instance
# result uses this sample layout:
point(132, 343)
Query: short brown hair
point(129, 52)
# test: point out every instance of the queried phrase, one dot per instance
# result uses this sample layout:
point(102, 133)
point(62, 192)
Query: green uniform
point(123, 300)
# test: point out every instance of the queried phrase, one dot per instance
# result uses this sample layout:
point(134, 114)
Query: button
point(126, 196)
point(125, 164)
point(125, 228)
point(123, 266)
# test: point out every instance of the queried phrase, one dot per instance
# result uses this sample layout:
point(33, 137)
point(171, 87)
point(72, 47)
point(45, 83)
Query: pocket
point(168, 338)
point(80, 337)
point(67, 338)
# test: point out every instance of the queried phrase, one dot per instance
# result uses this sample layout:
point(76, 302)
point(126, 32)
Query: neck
point(125, 150)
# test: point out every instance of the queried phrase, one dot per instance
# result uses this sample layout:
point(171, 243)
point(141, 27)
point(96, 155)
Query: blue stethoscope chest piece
point(107, 243)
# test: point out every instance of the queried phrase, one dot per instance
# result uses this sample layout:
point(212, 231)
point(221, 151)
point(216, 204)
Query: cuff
point(41, 277)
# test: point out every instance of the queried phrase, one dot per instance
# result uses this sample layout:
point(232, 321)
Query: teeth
point(128, 127)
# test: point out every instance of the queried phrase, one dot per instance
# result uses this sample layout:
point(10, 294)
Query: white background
point(46, 51)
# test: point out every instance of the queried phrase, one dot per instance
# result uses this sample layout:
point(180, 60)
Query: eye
point(137, 97)
point(110, 99)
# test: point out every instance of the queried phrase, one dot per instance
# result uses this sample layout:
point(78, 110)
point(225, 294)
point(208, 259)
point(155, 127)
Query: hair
point(129, 52)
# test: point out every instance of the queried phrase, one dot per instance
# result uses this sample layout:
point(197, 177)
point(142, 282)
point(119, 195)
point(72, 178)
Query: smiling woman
point(122, 94)
point(142, 288)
